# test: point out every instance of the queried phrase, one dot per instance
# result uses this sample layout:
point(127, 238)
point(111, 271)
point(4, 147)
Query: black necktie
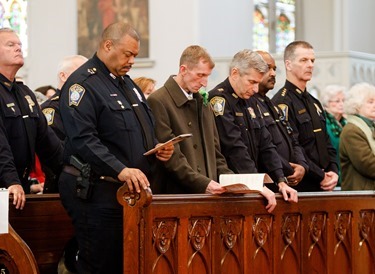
point(127, 89)
point(318, 130)
point(249, 122)
point(25, 110)
point(271, 108)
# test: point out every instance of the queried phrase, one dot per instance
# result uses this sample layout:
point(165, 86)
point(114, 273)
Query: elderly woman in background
point(357, 143)
point(147, 85)
point(333, 98)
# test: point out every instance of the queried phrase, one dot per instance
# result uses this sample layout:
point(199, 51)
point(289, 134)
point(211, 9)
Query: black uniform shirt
point(289, 100)
point(100, 124)
point(15, 150)
point(51, 110)
point(244, 139)
point(287, 146)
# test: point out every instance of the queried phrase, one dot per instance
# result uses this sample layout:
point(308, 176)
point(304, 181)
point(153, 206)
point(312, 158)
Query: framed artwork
point(95, 15)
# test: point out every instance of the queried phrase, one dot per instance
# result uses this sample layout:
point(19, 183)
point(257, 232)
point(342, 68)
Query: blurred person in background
point(332, 99)
point(357, 141)
point(147, 85)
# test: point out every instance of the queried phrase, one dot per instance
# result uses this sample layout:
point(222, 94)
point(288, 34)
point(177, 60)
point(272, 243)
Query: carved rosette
point(134, 199)
point(164, 232)
point(367, 218)
point(289, 230)
point(316, 228)
point(230, 230)
point(261, 229)
point(199, 230)
point(342, 226)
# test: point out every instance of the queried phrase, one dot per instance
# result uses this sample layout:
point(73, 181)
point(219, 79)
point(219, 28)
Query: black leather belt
point(71, 170)
point(75, 172)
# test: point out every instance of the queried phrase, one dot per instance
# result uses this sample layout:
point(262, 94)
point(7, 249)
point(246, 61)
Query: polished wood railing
point(331, 233)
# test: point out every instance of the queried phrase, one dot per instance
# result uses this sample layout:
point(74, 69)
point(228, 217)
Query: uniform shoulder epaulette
point(283, 92)
point(55, 98)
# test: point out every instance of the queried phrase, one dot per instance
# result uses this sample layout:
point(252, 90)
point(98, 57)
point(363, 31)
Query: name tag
point(302, 111)
point(239, 114)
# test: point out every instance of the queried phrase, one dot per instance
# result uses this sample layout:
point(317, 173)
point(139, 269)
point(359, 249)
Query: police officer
point(23, 128)
point(51, 111)
point(306, 117)
point(244, 139)
point(290, 152)
point(50, 107)
point(108, 127)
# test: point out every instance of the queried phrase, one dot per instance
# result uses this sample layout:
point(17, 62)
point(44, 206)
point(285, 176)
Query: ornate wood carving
point(231, 229)
point(261, 231)
point(289, 230)
point(342, 228)
point(316, 228)
point(164, 234)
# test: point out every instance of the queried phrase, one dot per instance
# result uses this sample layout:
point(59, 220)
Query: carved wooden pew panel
point(324, 233)
point(45, 226)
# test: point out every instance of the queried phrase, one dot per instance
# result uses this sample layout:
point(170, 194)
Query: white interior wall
point(222, 26)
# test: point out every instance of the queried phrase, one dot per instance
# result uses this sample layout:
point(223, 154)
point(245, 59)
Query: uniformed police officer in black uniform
point(50, 107)
point(306, 117)
point(290, 152)
point(51, 110)
point(244, 139)
point(108, 127)
point(23, 128)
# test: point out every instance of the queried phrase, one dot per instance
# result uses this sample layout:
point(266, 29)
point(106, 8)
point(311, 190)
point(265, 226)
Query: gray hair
point(118, 30)
point(330, 92)
point(357, 95)
point(69, 62)
point(247, 59)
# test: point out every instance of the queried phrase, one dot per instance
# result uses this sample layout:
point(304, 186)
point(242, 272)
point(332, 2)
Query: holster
point(84, 185)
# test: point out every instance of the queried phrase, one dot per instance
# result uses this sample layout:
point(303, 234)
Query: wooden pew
point(15, 256)
point(330, 232)
point(45, 227)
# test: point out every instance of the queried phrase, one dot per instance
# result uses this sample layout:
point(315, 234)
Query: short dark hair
point(290, 49)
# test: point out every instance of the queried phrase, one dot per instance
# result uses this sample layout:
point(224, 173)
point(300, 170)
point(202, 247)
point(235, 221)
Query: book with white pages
point(244, 183)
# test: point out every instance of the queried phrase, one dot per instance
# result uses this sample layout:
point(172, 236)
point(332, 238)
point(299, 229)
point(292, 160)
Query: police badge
point(76, 93)
point(50, 115)
point(252, 112)
point(217, 105)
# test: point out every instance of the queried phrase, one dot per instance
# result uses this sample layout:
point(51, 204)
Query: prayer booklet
point(174, 140)
point(4, 210)
point(244, 183)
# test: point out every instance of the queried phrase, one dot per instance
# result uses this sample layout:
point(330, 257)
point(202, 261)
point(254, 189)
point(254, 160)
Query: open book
point(244, 183)
point(174, 140)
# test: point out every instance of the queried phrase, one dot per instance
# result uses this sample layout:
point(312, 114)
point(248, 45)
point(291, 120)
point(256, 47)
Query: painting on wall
point(96, 15)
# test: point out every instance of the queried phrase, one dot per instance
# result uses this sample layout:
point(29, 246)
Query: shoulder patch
point(217, 105)
point(284, 109)
point(49, 113)
point(76, 93)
